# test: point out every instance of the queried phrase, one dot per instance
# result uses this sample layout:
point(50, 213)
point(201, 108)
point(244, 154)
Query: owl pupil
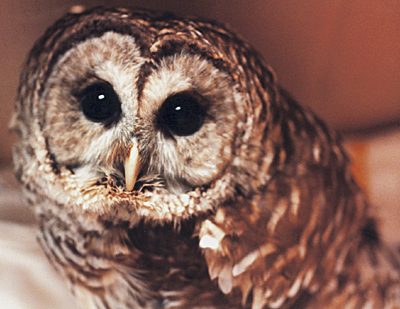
point(100, 103)
point(182, 114)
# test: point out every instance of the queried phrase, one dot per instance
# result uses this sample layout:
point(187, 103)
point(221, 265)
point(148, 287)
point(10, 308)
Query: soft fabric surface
point(27, 280)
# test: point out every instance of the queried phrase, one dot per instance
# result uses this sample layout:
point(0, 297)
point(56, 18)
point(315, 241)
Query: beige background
point(340, 57)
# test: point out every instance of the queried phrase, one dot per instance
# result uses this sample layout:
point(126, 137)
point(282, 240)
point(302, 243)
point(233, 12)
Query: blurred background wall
point(341, 58)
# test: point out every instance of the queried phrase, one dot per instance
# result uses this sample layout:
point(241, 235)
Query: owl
point(168, 169)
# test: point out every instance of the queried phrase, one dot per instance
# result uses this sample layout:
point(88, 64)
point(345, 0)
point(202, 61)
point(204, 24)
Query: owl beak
point(132, 167)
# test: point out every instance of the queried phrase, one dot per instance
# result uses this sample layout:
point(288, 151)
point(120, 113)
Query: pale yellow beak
point(132, 167)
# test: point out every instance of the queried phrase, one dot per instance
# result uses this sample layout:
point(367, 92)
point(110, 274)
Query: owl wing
point(241, 252)
point(280, 265)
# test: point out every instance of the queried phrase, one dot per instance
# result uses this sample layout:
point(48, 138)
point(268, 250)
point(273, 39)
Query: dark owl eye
point(182, 114)
point(100, 103)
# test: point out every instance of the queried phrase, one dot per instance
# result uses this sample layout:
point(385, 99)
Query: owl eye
point(182, 114)
point(100, 103)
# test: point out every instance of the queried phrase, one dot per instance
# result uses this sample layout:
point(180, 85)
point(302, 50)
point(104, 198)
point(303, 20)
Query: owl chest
point(169, 255)
point(147, 266)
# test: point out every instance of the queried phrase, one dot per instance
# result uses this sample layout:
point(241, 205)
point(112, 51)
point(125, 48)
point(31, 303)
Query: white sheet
point(27, 280)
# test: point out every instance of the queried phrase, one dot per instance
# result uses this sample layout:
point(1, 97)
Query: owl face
point(143, 111)
point(182, 121)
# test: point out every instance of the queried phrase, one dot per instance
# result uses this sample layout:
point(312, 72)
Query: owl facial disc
point(132, 166)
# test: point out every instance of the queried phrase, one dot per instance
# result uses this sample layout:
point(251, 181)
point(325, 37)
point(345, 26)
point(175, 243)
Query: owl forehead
point(113, 57)
point(155, 35)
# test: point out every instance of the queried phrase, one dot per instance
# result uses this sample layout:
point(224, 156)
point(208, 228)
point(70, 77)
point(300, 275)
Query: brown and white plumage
point(252, 205)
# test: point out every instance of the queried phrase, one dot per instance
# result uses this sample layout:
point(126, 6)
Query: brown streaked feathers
point(248, 202)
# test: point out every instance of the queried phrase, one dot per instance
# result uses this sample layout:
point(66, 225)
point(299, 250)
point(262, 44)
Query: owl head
point(132, 112)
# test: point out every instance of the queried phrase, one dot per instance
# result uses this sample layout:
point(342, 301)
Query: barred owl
point(168, 169)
